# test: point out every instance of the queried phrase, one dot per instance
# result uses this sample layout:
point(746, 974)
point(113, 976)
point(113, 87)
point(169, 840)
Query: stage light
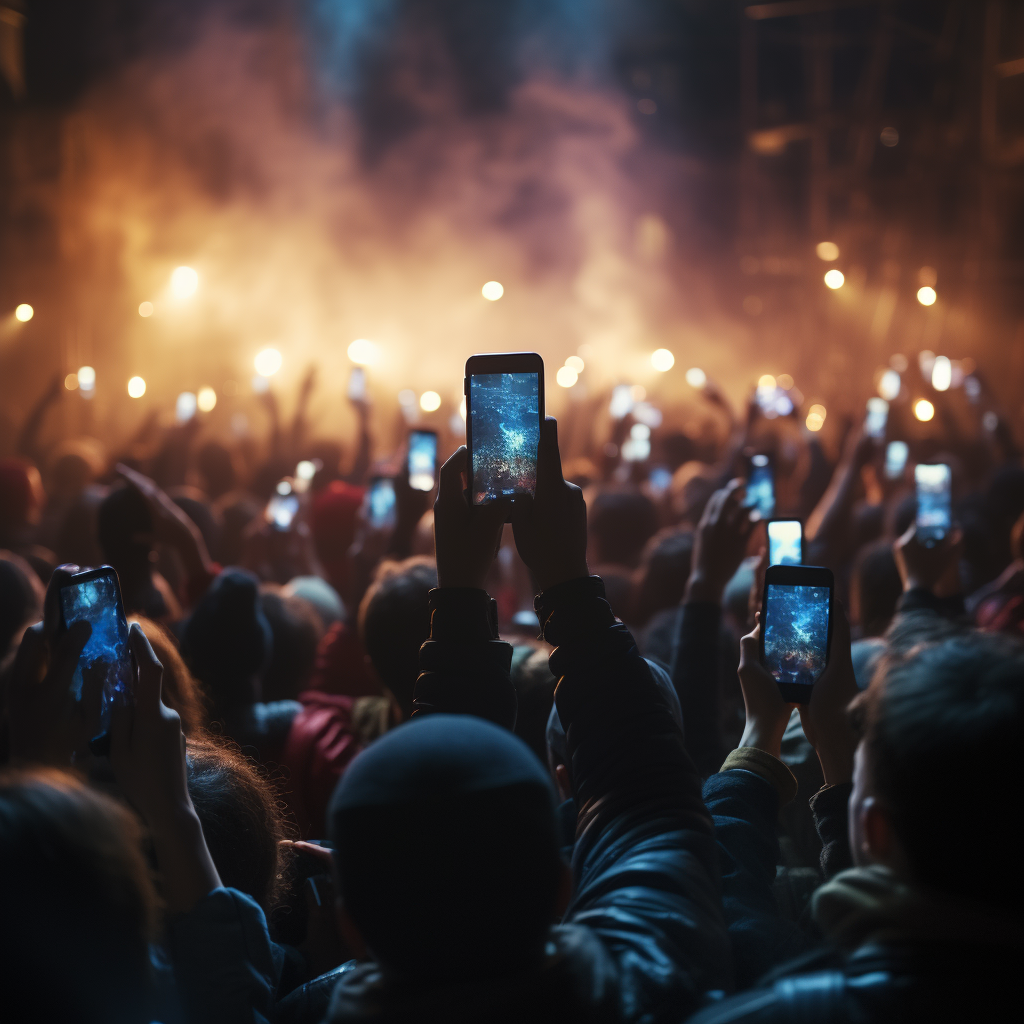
point(640, 432)
point(834, 279)
point(185, 407)
point(184, 282)
point(71, 382)
point(766, 381)
point(363, 352)
point(662, 360)
point(136, 387)
point(827, 251)
point(24, 312)
point(889, 385)
point(145, 309)
point(926, 295)
point(305, 470)
point(462, 408)
point(696, 377)
point(206, 399)
point(430, 401)
point(575, 363)
point(267, 362)
point(86, 378)
point(566, 377)
point(785, 381)
point(942, 373)
point(924, 410)
point(283, 488)
point(815, 418)
point(492, 291)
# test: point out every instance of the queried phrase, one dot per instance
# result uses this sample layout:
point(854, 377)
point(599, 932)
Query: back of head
point(21, 598)
point(216, 466)
point(242, 821)
point(620, 521)
point(74, 465)
point(877, 587)
point(124, 527)
point(394, 622)
point(76, 900)
point(942, 732)
point(447, 850)
point(20, 493)
point(297, 630)
point(664, 571)
point(227, 641)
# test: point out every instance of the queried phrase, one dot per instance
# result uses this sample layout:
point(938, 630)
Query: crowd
point(512, 762)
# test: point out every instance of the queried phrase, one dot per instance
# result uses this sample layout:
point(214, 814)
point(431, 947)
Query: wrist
point(764, 737)
point(547, 580)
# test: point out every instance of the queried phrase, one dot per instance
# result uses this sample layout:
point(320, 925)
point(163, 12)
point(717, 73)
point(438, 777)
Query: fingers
point(65, 658)
point(150, 671)
point(549, 459)
point(750, 648)
point(52, 616)
point(449, 490)
point(30, 659)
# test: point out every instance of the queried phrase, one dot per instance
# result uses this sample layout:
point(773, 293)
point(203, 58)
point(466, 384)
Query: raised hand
point(720, 542)
point(933, 568)
point(466, 536)
point(767, 713)
point(551, 528)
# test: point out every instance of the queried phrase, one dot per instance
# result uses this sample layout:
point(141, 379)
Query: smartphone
point(659, 480)
point(504, 411)
point(281, 510)
point(785, 542)
point(933, 502)
point(422, 461)
point(896, 453)
point(357, 384)
point(760, 497)
point(380, 502)
point(95, 595)
point(796, 627)
point(876, 417)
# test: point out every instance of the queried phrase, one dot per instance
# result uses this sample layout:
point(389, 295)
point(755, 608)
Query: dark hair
point(297, 630)
point(877, 585)
point(664, 571)
point(621, 522)
point(77, 902)
point(942, 732)
point(21, 598)
point(242, 820)
point(124, 527)
point(535, 694)
point(180, 689)
point(394, 621)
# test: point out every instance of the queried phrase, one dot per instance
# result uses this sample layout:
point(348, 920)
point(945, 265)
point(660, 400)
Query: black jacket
point(644, 938)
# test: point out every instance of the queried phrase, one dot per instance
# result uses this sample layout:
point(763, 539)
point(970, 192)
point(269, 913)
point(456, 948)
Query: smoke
point(235, 158)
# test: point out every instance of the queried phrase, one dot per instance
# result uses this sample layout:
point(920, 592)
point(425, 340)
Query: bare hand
point(767, 713)
point(551, 528)
point(936, 568)
point(466, 536)
point(720, 543)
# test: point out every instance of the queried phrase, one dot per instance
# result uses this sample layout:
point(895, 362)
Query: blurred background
point(200, 199)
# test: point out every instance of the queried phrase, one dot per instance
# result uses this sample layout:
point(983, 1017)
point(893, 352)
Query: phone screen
point(357, 384)
point(505, 411)
point(659, 480)
point(877, 415)
point(933, 512)
point(784, 537)
point(106, 654)
point(381, 501)
point(422, 459)
point(760, 487)
point(281, 510)
point(796, 633)
point(896, 454)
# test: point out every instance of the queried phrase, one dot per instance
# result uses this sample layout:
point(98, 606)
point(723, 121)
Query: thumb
point(150, 671)
point(549, 459)
point(750, 648)
point(449, 490)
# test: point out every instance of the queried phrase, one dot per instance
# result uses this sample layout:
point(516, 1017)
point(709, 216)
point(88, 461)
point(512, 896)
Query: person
point(467, 934)
point(909, 820)
point(21, 599)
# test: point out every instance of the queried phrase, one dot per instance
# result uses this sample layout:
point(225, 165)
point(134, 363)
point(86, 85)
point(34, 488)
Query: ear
point(349, 931)
point(876, 830)
point(563, 781)
point(564, 895)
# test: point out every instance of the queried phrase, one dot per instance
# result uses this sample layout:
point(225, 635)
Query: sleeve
point(645, 861)
point(464, 666)
point(226, 968)
point(695, 678)
point(829, 807)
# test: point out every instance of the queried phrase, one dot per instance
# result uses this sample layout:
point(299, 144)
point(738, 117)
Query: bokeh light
point(834, 279)
point(305, 470)
point(136, 387)
point(696, 377)
point(86, 378)
point(185, 406)
point(363, 352)
point(184, 282)
point(924, 410)
point(640, 432)
point(889, 137)
point(827, 251)
point(430, 401)
point(206, 399)
point(145, 309)
point(492, 291)
point(785, 381)
point(24, 312)
point(766, 381)
point(815, 418)
point(889, 385)
point(942, 373)
point(566, 377)
point(267, 362)
point(575, 363)
point(926, 295)
point(71, 382)
point(662, 360)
